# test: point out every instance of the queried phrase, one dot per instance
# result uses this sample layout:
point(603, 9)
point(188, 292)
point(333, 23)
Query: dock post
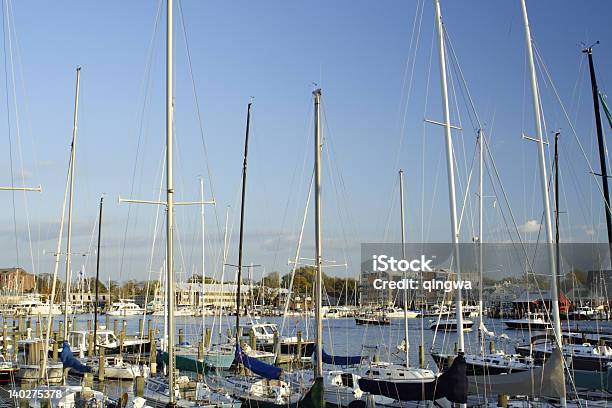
point(37, 330)
point(115, 329)
point(101, 368)
point(502, 401)
point(149, 327)
point(88, 380)
point(140, 386)
point(492, 346)
point(107, 322)
point(90, 344)
point(252, 340)
point(207, 337)
point(140, 328)
point(55, 346)
point(421, 356)
point(61, 327)
point(181, 337)
point(121, 340)
point(200, 350)
point(16, 338)
point(153, 357)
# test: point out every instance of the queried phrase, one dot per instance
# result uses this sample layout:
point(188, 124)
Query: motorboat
point(449, 324)
point(531, 321)
point(125, 308)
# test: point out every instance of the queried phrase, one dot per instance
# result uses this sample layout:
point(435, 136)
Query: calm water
point(341, 337)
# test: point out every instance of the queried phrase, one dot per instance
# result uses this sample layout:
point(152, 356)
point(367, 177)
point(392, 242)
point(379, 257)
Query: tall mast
point(203, 259)
point(318, 236)
point(537, 116)
point(401, 192)
point(98, 269)
point(170, 199)
point(451, 176)
point(223, 267)
point(557, 255)
point(241, 240)
point(69, 232)
point(480, 231)
point(600, 143)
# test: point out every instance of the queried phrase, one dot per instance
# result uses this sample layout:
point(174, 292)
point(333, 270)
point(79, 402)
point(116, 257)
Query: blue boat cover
point(341, 360)
point(69, 361)
point(258, 367)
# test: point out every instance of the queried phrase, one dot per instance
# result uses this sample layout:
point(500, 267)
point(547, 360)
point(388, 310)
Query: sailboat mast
point(403, 225)
point(451, 176)
point(170, 199)
point(600, 143)
point(480, 232)
point(98, 270)
point(241, 240)
point(318, 236)
point(544, 185)
point(557, 254)
point(70, 194)
point(223, 270)
point(203, 259)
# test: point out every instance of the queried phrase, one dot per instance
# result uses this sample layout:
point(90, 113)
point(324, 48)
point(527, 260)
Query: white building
point(211, 294)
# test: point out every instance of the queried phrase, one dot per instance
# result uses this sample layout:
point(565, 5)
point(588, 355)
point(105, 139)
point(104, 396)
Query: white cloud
point(530, 226)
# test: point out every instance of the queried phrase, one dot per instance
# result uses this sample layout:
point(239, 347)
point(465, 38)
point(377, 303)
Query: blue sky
point(358, 51)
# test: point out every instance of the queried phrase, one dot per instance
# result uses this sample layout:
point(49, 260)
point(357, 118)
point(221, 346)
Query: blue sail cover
point(258, 367)
point(341, 360)
point(69, 361)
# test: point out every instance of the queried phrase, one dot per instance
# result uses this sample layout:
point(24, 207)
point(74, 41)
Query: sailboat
point(420, 385)
point(211, 357)
point(493, 362)
point(159, 391)
point(266, 388)
point(547, 380)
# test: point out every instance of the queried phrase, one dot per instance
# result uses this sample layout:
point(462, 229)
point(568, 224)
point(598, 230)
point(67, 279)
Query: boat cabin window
point(347, 379)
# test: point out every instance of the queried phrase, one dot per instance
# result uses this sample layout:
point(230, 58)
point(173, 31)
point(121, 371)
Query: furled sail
point(258, 367)
point(546, 380)
point(604, 103)
point(69, 361)
point(341, 360)
point(452, 385)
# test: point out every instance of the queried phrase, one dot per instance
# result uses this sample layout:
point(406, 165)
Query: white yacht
point(533, 321)
point(35, 307)
point(125, 307)
point(398, 313)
